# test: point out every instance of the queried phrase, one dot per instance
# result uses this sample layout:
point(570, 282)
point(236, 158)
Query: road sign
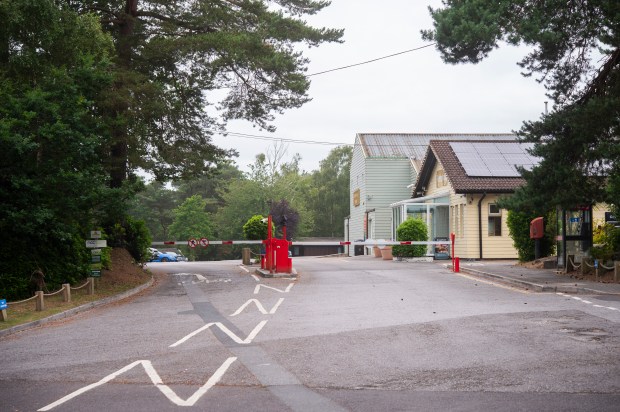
point(96, 273)
point(96, 243)
point(95, 266)
point(95, 252)
point(204, 242)
point(3, 304)
point(192, 243)
point(95, 234)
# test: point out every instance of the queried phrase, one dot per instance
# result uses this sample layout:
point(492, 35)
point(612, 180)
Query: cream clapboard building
point(383, 168)
point(468, 178)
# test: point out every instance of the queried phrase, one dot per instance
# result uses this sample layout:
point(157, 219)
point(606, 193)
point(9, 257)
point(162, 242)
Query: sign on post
point(96, 243)
point(192, 243)
point(204, 242)
point(95, 234)
point(3, 304)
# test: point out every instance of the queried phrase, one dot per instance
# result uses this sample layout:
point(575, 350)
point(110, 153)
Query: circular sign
point(204, 242)
point(192, 243)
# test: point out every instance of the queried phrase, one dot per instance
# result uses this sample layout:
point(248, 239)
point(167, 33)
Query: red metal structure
point(276, 252)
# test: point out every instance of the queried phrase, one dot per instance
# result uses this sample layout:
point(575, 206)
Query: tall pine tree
point(576, 55)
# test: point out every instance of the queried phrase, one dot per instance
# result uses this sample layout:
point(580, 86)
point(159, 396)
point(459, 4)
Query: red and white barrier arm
point(301, 243)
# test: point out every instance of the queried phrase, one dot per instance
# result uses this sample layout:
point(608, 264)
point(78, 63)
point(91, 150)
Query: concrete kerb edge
point(266, 274)
point(76, 310)
point(511, 282)
point(534, 286)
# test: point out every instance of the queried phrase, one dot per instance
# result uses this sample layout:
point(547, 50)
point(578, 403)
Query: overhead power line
point(370, 61)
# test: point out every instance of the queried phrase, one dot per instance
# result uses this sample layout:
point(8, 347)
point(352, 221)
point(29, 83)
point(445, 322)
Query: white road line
point(244, 268)
point(224, 329)
point(156, 380)
point(256, 278)
point(288, 288)
point(260, 307)
point(587, 301)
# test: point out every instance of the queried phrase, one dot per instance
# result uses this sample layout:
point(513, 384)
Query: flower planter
point(386, 253)
point(376, 251)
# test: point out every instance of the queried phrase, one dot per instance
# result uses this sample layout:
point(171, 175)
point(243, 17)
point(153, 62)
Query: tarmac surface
point(537, 280)
point(502, 272)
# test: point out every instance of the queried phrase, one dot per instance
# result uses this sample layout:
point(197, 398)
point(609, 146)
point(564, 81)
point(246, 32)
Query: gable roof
point(413, 145)
point(441, 151)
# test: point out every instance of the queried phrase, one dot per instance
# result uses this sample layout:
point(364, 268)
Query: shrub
point(607, 239)
point(411, 229)
point(132, 235)
point(256, 229)
point(519, 229)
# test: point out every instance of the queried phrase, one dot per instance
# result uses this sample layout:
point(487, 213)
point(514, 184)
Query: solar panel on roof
point(487, 148)
point(492, 158)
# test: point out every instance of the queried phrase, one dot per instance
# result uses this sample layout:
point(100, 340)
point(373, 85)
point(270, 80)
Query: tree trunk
point(119, 150)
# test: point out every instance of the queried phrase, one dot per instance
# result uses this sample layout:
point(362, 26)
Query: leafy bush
point(607, 239)
point(411, 229)
point(255, 228)
point(519, 229)
point(132, 235)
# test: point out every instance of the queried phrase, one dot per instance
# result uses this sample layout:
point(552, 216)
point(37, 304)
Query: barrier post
point(616, 270)
point(40, 301)
point(245, 255)
point(66, 292)
point(457, 265)
point(269, 247)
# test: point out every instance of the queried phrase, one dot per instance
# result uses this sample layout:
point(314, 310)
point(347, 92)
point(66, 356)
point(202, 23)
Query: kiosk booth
point(574, 234)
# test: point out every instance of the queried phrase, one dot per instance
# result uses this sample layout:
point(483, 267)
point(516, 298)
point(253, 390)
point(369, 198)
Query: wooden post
point(40, 301)
point(616, 270)
point(245, 255)
point(583, 266)
point(3, 316)
point(66, 292)
point(91, 286)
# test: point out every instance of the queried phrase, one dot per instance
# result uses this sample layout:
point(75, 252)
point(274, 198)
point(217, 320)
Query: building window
point(495, 220)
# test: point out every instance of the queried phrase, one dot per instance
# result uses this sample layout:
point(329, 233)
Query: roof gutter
point(480, 223)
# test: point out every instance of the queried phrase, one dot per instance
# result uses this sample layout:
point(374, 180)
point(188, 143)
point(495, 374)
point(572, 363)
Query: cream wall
point(464, 223)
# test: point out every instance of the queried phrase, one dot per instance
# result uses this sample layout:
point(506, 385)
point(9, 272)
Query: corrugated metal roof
point(414, 145)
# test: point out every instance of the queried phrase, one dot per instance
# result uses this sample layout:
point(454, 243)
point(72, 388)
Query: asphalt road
point(359, 334)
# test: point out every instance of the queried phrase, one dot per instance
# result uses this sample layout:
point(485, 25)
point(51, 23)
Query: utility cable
point(370, 61)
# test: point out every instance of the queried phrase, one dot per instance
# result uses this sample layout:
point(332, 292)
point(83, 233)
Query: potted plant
point(386, 252)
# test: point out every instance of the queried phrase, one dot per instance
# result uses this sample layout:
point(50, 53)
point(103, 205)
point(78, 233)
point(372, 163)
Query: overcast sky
point(411, 93)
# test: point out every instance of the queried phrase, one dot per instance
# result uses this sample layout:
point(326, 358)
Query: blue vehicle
point(157, 256)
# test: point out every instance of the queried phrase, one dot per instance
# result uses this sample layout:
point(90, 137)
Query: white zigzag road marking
point(224, 329)
point(156, 379)
point(260, 307)
point(288, 288)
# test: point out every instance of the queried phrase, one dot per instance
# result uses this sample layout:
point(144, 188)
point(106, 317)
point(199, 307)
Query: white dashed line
point(587, 301)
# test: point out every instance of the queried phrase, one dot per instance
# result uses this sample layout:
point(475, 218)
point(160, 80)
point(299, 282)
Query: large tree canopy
point(576, 55)
point(175, 59)
point(53, 66)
